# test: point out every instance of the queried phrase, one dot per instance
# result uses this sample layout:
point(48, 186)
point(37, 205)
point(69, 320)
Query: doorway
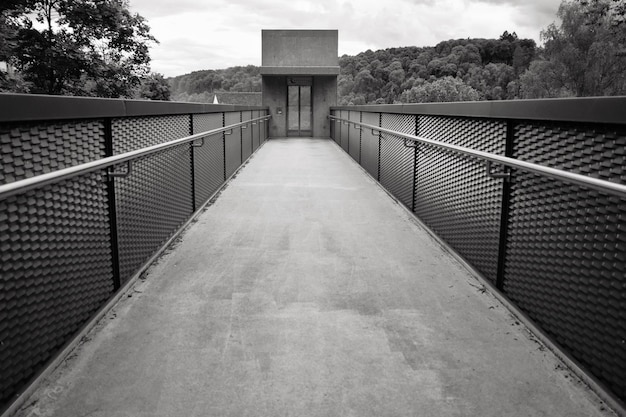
point(299, 106)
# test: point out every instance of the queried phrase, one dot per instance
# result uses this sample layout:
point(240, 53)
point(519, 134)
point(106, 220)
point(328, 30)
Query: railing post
point(115, 254)
point(240, 139)
point(224, 142)
point(380, 134)
point(348, 130)
point(192, 159)
point(360, 137)
point(415, 164)
point(504, 210)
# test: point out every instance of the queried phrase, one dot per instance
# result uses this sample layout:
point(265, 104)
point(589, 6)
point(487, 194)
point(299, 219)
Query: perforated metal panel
point(397, 160)
point(209, 158)
point(355, 136)
point(134, 133)
point(454, 196)
point(566, 248)
point(152, 203)
point(209, 121)
point(56, 270)
point(333, 124)
point(233, 144)
point(345, 131)
point(370, 144)
point(30, 149)
point(246, 136)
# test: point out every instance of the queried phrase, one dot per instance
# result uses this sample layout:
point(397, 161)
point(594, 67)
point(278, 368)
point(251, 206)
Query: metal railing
point(73, 237)
point(546, 228)
point(608, 187)
point(18, 187)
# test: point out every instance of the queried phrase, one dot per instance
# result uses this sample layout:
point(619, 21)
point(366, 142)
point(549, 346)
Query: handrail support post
point(121, 174)
point(506, 175)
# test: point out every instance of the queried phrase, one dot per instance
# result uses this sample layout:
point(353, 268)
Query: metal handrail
point(609, 187)
point(18, 187)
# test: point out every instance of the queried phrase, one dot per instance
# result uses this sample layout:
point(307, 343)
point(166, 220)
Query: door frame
point(299, 81)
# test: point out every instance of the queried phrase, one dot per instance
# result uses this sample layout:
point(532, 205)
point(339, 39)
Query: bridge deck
point(305, 290)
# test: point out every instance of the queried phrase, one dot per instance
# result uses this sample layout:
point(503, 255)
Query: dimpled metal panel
point(55, 271)
point(454, 196)
point(566, 247)
point(246, 136)
point(134, 133)
point(233, 144)
point(345, 131)
point(27, 150)
point(397, 160)
point(370, 144)
point(152, 203)
point(208, 158)
point(355, 136)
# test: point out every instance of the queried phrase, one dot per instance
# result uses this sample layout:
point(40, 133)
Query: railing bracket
point(196, 145)
point(357, 127)
point(228, 132)
point(506, 175)
point(121, 174)
point(406, 144)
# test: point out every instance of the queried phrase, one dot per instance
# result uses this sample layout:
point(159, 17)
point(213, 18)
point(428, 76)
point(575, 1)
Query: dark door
point(299, 110)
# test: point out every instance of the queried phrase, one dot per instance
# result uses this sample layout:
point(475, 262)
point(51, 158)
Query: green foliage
point(584, 56)
point(470, 69)
point(461, 69)
point(86, 47)
point(444, 89)
point(155, 87)
point(234, 79)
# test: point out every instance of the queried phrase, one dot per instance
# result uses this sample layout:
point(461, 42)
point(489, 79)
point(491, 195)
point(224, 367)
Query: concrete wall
point(298, 48)
point(274, 97)
point(324, 97)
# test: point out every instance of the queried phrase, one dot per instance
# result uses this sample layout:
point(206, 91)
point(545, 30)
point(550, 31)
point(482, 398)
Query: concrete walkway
point(305, 290)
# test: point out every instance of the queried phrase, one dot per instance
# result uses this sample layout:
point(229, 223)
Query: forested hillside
point(584, 55)
point(486, 66)
point(463, 69)
point(200, 86)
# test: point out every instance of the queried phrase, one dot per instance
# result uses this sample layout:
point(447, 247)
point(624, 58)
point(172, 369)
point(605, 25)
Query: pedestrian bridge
point(165, 259)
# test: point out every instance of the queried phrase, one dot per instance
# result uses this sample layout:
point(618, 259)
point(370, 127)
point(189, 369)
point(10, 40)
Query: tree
point(491, 80)
point(86, 47)
point(544, 79)
point(155, 87)
point(585, 54)
point(10, 12)
point(364, 81)
point(445, 89)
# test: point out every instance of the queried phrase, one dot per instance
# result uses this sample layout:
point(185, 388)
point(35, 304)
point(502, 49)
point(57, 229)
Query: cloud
point(529, 14)
point(211, 34)
point(162, 8)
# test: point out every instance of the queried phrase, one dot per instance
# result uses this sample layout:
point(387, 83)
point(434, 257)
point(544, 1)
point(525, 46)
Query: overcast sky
point(213, 34)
